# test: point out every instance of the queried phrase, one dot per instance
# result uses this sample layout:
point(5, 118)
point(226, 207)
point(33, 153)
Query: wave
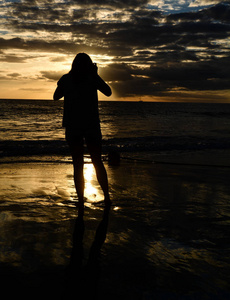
point(11, 148)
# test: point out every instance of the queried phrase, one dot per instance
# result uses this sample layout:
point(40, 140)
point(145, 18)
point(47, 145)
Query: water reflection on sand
point(167, 236)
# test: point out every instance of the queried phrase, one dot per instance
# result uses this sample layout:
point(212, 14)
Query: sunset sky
point(158, 50)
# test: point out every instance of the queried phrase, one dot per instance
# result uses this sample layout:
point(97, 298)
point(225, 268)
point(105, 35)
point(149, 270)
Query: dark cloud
point(39, 90)
point(14, 58)
point(52, 75)
point(152, 52)
point(59, 46)
point(219, 12)
point(57, 59)
point(14, 75)
point(116, 72)
point(194, 76)
point(114, 3)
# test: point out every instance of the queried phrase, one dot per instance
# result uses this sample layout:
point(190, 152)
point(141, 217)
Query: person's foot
point(80, 209)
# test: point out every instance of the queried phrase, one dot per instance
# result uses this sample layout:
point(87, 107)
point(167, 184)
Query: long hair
point(82, 65)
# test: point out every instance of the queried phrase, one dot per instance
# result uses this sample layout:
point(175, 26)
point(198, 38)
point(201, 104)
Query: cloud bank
point(144, 48)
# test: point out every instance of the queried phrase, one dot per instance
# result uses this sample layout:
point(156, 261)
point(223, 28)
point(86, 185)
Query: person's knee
point(96, 160)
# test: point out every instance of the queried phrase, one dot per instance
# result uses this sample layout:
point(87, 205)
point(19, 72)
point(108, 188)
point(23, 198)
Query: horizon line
point(136, 101)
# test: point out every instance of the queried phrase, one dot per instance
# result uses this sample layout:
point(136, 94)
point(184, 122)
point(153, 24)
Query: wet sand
point(166, 235)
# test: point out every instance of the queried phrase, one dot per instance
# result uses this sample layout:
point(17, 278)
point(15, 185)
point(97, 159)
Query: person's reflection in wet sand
point(82, 281)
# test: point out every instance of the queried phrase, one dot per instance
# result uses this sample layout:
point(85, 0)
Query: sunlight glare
point(102, 59)
point(93, 192)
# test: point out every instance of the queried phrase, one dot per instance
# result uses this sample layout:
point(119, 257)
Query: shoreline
point(206, 158)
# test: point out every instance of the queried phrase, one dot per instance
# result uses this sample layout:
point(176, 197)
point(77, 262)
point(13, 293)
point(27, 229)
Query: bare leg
point(78, 164)
point(95, 153)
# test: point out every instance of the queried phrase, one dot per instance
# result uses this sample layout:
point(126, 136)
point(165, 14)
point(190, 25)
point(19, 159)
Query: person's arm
point(58, 94)
point(103, 87)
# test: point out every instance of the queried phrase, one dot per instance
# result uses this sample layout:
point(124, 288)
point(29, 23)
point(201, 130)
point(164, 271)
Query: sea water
point(33, 127)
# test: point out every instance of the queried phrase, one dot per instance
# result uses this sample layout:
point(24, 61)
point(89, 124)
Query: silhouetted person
point(81, 120)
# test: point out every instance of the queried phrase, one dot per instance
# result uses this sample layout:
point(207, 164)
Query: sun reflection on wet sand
point(41, 198)
point(93, 192)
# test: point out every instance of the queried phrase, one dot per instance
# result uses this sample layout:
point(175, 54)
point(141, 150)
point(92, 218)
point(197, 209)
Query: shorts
point(76, 136)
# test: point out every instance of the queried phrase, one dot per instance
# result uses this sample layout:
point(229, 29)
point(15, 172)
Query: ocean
point(143, 130)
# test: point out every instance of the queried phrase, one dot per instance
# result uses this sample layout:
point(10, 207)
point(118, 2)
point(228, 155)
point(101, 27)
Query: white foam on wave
point(63, 193)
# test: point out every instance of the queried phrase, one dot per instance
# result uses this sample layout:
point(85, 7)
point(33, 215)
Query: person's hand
point(95, 68)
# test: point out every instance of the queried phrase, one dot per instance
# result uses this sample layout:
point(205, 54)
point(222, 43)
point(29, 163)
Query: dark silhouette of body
point(82, 277)
point(81, 120)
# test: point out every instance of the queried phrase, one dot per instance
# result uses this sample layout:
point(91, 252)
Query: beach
point(166, 235)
